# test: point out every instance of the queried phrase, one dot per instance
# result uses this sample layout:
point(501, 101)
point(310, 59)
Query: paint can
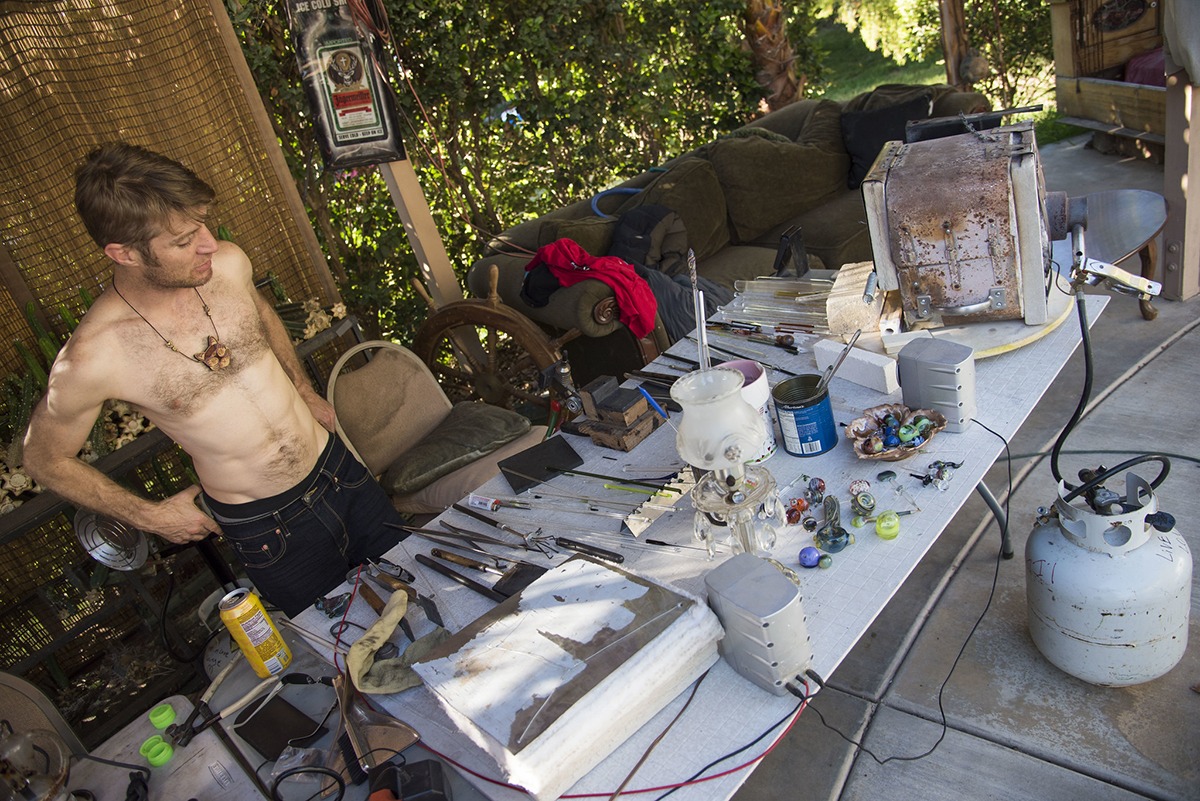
point(261, 643)
point(757, 393)
point(805, 416)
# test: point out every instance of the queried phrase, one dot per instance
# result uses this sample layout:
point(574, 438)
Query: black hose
point(1100, 478)
point(1084, 396)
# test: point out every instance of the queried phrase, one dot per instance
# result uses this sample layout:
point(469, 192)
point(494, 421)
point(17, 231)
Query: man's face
point(181, 255)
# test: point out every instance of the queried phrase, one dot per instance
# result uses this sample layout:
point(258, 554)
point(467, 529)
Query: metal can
point(805, 416)
point(261, 643)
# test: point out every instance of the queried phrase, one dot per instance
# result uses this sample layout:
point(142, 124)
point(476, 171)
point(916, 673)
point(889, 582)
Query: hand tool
point(491, 521)
point(375, 602)
point(833, 368)
point(482, 589)
point(590, 550)
point(393, 584)
point(464, 544)
point(458, 533)
point(512, 580)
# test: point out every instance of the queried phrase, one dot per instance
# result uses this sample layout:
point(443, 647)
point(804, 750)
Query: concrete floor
point(1016, 726)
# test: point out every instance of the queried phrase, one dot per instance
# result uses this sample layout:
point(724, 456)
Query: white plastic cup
point(756, 392)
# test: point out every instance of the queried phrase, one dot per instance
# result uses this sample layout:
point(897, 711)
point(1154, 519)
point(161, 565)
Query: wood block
point(595, 392)
point(621, 407)
point(621, 438)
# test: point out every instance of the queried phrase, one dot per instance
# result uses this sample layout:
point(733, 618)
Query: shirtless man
point(296, 506)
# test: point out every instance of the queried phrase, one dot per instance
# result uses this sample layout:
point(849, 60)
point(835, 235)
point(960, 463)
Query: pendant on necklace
point(215, 356)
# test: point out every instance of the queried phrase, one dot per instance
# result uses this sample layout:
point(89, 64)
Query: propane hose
point(1125, 465)
point(1084, 396)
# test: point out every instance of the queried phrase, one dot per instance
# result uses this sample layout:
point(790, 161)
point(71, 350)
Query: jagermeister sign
point(343, 74)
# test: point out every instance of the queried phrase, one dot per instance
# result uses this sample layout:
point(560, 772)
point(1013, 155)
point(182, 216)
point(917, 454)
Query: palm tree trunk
point(774, 60)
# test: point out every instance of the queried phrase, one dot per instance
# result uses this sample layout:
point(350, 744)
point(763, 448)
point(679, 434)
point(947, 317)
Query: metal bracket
point(924, 305)
point(1121, 278)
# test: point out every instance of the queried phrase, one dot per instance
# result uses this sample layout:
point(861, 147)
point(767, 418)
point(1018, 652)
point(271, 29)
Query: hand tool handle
point(393, 584)
point(469, 512)
point(371, 597)
point(590, 550)
point(470, 583)
point(465, 561)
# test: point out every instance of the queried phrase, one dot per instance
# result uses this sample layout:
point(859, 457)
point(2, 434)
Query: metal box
point(958, 226)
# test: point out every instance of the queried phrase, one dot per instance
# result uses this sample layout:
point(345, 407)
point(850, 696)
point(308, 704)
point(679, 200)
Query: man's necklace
point(214, 357)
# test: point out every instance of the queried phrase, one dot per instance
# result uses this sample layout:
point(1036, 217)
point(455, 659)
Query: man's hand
point(177, 519)
point(321, 409)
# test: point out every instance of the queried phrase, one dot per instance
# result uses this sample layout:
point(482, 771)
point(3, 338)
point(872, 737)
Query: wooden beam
point(1181, 235)
point(423, 234)
point(1126, 105)
point(954, 40)
point(266, 131)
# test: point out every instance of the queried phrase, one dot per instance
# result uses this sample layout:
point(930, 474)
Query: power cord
point(820, 682)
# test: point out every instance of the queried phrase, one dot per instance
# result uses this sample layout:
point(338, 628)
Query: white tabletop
point(840, 602)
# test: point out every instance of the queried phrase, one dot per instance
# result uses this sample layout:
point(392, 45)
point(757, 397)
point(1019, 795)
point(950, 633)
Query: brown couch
point(735, 197)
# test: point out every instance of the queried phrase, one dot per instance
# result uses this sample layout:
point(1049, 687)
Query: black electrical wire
point(1084, 396)
point(162, 629)
point(941, 689)
point(319, 769)
point(139, 778)
point(731, 754)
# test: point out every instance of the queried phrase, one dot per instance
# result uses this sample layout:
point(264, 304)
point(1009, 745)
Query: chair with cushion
point(428, 452)
point(26, 708)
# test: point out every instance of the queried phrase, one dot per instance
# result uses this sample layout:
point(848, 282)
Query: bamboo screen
point(78, 73)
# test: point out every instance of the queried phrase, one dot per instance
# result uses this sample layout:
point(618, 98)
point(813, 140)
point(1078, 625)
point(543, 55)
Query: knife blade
point(393, 584)
point(454, 575)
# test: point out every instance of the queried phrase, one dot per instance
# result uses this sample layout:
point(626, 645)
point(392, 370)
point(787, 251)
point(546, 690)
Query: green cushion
point(690, 189)
point(823, 128)
point(470, 431)
point(768, 182)
point(593, 234)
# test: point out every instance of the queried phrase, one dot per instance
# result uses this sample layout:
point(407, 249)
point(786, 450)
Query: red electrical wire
point(688, 783)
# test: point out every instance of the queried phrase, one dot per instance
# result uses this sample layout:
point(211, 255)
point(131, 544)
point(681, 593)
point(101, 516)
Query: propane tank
point(1109, 594)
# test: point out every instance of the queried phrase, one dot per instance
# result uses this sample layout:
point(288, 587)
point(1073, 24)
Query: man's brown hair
point(127, 194)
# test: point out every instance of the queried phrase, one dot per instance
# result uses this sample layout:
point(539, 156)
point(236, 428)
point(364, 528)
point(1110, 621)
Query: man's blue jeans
point(299, 545)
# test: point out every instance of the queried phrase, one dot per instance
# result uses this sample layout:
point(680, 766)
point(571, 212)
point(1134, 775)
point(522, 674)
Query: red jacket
point(570, 264)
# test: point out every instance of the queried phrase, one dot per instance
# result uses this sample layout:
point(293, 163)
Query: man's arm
point(57, 431)
point(285, 352)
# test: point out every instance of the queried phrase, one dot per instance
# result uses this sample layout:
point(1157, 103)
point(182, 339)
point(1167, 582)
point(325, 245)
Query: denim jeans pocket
point(261, 549)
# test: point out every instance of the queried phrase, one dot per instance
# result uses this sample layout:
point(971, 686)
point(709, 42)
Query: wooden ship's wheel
point(480, 349)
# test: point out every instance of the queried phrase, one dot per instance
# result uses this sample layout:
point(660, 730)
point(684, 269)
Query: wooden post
point(422, 233)
point(266, 131)
point(1181, 235)
point(954, 40)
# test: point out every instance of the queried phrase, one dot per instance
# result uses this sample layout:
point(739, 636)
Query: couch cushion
point(453, 487)
point(690, 189)
point(866, 132)
point(766, 182)
point(470, 431)
point(593, 234)
point(823, 128)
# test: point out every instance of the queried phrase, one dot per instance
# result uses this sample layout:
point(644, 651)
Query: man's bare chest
point(174, 380)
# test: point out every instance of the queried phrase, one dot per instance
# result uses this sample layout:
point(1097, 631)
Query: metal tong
point(833, 368)
point(534, 541)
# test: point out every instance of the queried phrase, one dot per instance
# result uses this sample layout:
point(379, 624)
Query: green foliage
point(510, 110)
point(1012, 35)
point(900, 30)
point(853, 69)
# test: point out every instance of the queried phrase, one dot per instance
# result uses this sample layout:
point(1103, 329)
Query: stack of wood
point(617, 418)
